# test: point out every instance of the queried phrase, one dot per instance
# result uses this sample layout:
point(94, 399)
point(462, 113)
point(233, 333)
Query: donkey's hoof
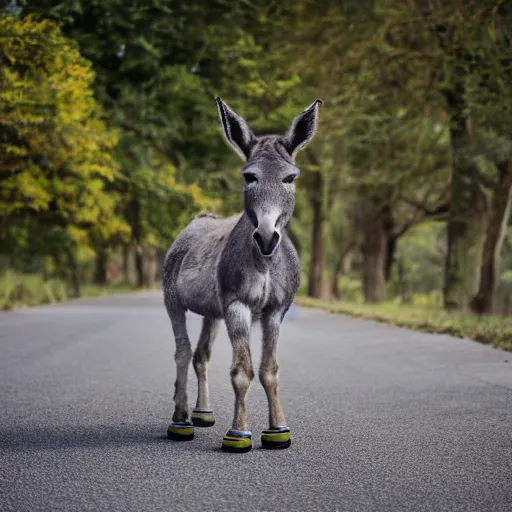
point(181, 431)
point(276, 438)
point(237, 441)
point(203, 418)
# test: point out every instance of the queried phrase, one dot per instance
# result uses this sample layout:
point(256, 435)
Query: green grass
point(17, 290)
point(24, 290)
point(491, 330)
point(93, 290)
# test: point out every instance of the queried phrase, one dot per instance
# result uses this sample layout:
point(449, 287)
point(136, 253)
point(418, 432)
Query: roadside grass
point(490, 330)
point(25, 290)
point(17, 290)
point(94, 290)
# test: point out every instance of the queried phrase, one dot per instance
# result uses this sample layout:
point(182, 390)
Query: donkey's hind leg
point(181, 429)
point(202, 415)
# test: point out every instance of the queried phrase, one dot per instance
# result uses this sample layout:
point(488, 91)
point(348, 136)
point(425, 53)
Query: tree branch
point(440, 211)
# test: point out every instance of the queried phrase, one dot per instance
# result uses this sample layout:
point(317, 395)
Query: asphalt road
point(382, 419)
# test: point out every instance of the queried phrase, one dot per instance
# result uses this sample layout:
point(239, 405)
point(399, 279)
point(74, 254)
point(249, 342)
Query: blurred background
point(110, 142)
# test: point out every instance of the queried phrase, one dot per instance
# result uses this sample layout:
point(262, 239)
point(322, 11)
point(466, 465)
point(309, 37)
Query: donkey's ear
point(303, 128)
point(236, 130)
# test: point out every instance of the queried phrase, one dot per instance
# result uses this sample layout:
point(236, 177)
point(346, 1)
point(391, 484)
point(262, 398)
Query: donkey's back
point(190, 268)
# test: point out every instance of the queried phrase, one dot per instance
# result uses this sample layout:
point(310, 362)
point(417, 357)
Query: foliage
point(166, 205)
point(92, 290)
point(419, 259)
point(55, 149)
point(396, 79)
point(22, 290)
point(17, 290)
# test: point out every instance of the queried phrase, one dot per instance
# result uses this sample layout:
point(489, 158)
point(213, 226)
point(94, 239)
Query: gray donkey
point(241, 269)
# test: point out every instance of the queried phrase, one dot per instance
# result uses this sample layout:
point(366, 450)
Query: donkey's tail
point(170, 273)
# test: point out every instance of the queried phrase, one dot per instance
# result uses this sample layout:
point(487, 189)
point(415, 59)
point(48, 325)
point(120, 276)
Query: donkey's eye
point(249, 177)
point(290, 178)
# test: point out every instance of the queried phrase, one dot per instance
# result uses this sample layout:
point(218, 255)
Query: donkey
point(242, 269)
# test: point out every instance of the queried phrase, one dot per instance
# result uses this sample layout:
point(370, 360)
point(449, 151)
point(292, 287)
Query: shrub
point(17, 290)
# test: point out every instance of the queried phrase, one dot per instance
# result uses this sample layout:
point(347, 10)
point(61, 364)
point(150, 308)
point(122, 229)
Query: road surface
point(382, 419)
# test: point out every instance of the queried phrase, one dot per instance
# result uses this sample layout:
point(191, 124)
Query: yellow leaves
point(196, 193)
point(255, 89)
point(193, 190)
point(152, 239)
point(30, 185)
point(118, 228)
point(200, 199)
point(15, 151)
point(77, 235)
point(55, 138)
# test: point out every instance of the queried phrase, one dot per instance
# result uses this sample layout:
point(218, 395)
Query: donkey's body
point(212, 264)
point(241, 269)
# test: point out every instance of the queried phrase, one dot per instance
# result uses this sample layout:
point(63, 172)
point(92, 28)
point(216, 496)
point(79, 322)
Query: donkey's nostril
point(259, 240)
point(274, 241)
point(266, 244)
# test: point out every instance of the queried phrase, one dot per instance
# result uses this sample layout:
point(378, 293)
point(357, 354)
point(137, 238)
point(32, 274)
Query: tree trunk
point(100, 271)
point(137, 239)
point(129, 275)
point(74, 273)
point(126, 263)
point(139, 266)
point(342, 267)
point(375, 238)
point(316, 270)
point(150, 264)
point(391, 242)
point(484, 301)
point(468, 209)
point(334, 285)
point(404, 284)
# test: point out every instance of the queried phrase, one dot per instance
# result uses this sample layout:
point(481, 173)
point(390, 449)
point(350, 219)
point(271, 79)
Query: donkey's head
point(269, 171)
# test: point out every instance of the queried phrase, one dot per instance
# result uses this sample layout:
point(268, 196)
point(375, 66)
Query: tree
point(149, 60)
point(403, 59)
point(475, 64)
point(382, 145)
point(55, 150)
point(489, 98)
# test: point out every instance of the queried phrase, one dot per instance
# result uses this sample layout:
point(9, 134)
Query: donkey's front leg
point(278, 434)
point(238, 322)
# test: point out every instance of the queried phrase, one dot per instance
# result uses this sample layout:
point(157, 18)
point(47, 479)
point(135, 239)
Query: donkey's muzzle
point(267, 239)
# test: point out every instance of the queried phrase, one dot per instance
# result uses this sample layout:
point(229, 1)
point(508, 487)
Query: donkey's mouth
point(266, 247)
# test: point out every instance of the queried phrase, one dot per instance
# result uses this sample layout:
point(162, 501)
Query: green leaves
point(55, 149)
point(130, 136)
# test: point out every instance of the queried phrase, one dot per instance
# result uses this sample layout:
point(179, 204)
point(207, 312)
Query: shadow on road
point(38, 438)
